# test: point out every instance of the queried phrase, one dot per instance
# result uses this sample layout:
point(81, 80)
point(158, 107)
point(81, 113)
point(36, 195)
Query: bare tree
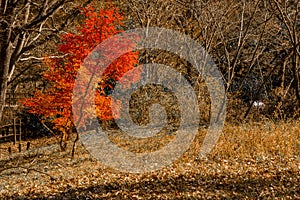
point(287, 15)
point(25, 26)
point(255, 44)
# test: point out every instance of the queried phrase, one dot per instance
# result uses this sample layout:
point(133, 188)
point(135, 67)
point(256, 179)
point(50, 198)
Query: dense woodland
point(255, 44)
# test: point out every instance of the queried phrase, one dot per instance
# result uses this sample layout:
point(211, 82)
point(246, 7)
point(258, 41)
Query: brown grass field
point(250, 161)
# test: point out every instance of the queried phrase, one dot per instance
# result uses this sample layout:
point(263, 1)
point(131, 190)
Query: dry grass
point(255, 160)
point(260, 139)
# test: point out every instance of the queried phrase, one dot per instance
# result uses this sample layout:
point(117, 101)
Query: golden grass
point(259, 139)
point(252, 140)
point(248, 140)
point(253, 160)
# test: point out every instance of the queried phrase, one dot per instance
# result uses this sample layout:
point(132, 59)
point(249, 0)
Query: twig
point(49, 130)
point(28, 170)
point(74, 144)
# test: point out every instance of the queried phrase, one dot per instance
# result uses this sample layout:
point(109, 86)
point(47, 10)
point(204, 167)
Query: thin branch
point(70, 17)
point(41, 58)
point(43, 17)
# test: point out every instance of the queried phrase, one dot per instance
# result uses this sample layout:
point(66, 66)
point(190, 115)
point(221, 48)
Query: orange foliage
point(56, 102)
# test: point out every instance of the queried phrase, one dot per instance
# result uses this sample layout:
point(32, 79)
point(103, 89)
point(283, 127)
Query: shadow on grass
point(280, 185)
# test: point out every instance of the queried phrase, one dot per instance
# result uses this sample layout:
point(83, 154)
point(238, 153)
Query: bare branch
point(41, 58)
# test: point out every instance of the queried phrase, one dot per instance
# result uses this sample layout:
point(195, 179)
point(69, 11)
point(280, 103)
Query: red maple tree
point(55, 103)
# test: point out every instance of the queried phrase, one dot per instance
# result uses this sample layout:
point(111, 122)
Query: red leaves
point(56, 102)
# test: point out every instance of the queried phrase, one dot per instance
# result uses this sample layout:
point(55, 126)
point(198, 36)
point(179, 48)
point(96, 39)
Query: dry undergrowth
point(250, 161)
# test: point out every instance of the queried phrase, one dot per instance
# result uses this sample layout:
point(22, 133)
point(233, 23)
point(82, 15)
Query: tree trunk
point(296, 74)
point(6, 52)
point(2, 97)
point(5, 69)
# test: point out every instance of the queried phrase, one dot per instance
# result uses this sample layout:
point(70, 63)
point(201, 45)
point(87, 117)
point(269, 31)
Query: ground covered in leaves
point(46, 172)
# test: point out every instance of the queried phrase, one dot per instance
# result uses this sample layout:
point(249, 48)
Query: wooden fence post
point(28, 146)
point(20, 130)
point(9, 150)
point(15, 131)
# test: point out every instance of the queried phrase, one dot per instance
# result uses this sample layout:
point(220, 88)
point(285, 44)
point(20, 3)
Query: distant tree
point(255, 44)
